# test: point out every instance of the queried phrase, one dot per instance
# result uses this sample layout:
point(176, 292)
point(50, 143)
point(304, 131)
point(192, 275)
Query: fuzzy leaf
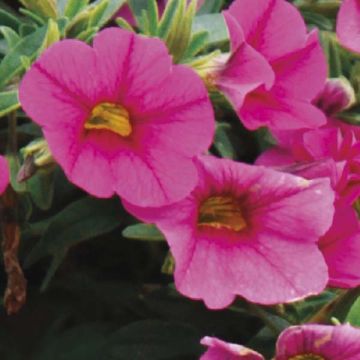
point(147, 232)
point(8, 102)
point(11, 65)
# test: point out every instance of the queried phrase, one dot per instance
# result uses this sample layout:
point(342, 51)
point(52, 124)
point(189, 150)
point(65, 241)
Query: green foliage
point(145, 232)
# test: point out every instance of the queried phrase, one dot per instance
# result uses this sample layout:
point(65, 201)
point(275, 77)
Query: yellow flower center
point(109, 116)
point(221, 212)
point(307, 357)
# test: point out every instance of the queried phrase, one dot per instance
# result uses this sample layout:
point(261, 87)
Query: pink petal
point(302, 74)
point(263, 108)
point(331, 342)
point(221, 350)
point(245, 71)
point(51, 95)
point(348, 24)
point(273, 27)
point(341, 249)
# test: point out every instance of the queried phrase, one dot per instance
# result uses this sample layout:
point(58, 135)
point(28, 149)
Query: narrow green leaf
point(197, 43)
point(73, 7)
point(26, 29)
point(146, 232)
point(167, 18)
point(52, 35)
point(11, 65)
point(87, 35)
point(110, 11)
point(153, 16)
point(8, 102)
point(33, 16)
point(124, 24)
point(97, 13)
point(42, 8)
point(14, 165)
point(11, 37)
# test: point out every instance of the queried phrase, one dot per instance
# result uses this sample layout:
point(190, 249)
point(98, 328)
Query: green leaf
point(8, 102)
point(353, 316)
point(41, 188)
point(11, 65)
point(317, 20)
point(9, 19)
point(110, 11)
point(14, 165)
point(332, 52)
point(52, 35)
point(81, 220)
point(211, 6)
point(137, 6)
point(153, 16)
point(222, 141)
point(197, 43)
point(167, 17)
point(215, 25)
point(43, 8)
point(73, 7)
point(147, 232)
point(11, 36)
point(97, 13)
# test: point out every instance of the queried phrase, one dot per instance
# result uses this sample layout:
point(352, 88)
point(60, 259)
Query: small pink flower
point(348, 24)
point(276, 34)
point(4, 174)
point(221, 350)
point(319, 342)
point(246, 230)
point(119, 117)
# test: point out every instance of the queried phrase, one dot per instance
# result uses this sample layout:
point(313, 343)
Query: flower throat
point(109, 116)
point(221, 212)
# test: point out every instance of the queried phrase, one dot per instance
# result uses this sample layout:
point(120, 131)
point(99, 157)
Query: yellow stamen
point(307, 357)
point(109, 116)
point(221, 212)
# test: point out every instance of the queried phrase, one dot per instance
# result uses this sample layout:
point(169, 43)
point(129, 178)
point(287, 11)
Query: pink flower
point(304, 342)
point(334, 153)
point(348, 24)
point(4, 174)
point(275, 32)
point(221, 350)
point(120, 117)
point(319, 342)
point(246, 230)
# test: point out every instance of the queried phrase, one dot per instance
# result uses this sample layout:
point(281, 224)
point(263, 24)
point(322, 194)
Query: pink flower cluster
point(121, 118)
point(307, 342)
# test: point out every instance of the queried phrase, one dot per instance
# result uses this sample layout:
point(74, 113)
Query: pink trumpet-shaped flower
point(221, 350)
point(119, 117)
point(305, 342)
point(246, 230)
point(319, 342)
point(4, 174)
point(348, 24)
point(276, 38)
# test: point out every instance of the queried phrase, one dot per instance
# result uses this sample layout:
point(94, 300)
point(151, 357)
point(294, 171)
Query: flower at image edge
point(119, 117)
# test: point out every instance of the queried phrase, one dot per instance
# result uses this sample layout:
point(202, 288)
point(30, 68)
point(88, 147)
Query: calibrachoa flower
point(348, 24)
point(246, 230)
point(277, 33)
point(319, 342)
point(4, 174)
point(119, 117)
point(305, 342)
point(221, 350)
